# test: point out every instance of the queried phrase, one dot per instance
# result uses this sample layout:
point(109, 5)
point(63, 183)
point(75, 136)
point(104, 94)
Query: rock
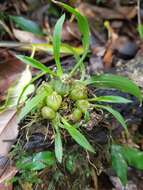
point(125, 48)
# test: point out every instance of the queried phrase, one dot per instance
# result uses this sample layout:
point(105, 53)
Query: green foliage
point(119, 165)
point(35, 63)
point(58, 145)
point(84, 30)
point(117, 82)
point(57, 43)
point(140, 30)
point(37, 161)
point(82, 24)
point(64, 93)
point(110, 99)
point(123, 156)
point(115, 113)
point(31, 104)
point(133, 157)
point(77, 136)
point(27, 25)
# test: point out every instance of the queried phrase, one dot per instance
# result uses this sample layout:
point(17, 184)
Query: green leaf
point(30, 104)
point(111, 99)
point(57, 43)
point(82, 23)
point(140, 30)
point(117, 82)
point(37, 161)
point(35, 63)
point(58, 146)
point(84, 30)
point(27, 25)
point(133, 156)
point(46, 157)
point(115, 113)
point(119, 164)
point(77, 136)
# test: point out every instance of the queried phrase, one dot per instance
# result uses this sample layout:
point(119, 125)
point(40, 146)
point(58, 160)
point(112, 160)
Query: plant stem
point(34, 79)
point(138, 12)
point(79, 63)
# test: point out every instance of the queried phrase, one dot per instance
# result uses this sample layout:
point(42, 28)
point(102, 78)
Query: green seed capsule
point(83, 105)
point(78, 92)
point(54, 101)
point(48, 113)
point(60, 87)
point(44, 87)
point(76, 115)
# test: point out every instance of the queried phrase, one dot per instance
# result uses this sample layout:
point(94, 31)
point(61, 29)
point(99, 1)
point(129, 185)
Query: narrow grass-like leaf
point(83, 28)
point(58, 146)
point(117, 82)
point(57, 43)
point(46, 47)
point(30, 104)
point(119, 164)
point(115, 113)
point(82, 23)
point(35, 63)
point(27, 25)
point(77, 136)
point(110, 99)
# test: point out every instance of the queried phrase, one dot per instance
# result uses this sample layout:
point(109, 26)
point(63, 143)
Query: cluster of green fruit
point(56, 91)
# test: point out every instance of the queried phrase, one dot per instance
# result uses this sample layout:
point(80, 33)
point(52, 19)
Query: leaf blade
point(117, 82)
point(37, 161)
point(116, 114)
point(34, 63)
point(84, 30)
point(77, 136)
point(58, 146)
point(119, 165)
point(111, 99)
point(133, 156)
point(27, 25)
point(57, 43)
point(82, 23)
point(30, 105)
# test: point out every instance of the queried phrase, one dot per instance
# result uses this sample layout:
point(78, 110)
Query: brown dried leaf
point(10, 69)
point(93, 12)
point(8, 130)
point(5, 187)
point(108, 58)
point(8, 134)
point(70, 31)
point(7, 175)
point(27, 37)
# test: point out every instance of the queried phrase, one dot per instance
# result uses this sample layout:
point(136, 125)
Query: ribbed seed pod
point(48, 113)
point(76, 115)
point(54, 101)
point(83, 105)
point(60, 87)
point(45, 87)
point(78, 92)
